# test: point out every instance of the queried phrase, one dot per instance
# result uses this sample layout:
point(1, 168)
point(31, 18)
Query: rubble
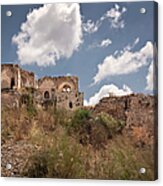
point(14, 157)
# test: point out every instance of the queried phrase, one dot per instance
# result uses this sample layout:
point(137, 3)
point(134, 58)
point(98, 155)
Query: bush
point(36, 166)
point(112, 125)
point(80, 117)
point(94, 130)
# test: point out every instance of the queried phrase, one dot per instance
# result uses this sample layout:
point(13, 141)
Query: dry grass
point(76, 145)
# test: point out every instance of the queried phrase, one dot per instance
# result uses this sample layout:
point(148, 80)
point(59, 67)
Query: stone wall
point(13, 77)
point(62, 91)
point(70, 101)
point(114, 106)
point(9, 76)
point(27, 79)
point(137, 110)
point(10, 99)
point(141, 119)
point(58, 83)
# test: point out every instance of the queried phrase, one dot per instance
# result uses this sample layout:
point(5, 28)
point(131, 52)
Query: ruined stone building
point(138, 111)
point(14, 78)
point(61, 92)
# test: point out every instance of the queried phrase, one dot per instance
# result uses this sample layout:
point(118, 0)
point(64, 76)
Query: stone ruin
point(138, 111)
point(17, 84)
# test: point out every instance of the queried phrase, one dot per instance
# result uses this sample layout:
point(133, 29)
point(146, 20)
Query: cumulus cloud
point(150, 78)
point(50, 32)
point(103, 44)
point(125, 63)
point(114, 17)
point(106, 91)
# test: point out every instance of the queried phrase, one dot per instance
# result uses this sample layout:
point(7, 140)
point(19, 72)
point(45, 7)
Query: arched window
point(12, 83)
point(66, 88)
point(46, 95)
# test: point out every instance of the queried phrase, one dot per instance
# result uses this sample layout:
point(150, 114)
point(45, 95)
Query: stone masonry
point(138, 111)
point(61, 92)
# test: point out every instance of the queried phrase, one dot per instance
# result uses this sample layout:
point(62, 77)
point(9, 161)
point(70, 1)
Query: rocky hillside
point(113, 140)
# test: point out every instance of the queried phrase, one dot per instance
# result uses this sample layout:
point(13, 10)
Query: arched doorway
point(12, 84)
point(46, 95)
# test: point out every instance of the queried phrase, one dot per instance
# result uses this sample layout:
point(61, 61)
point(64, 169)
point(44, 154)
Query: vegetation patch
point(76, 144)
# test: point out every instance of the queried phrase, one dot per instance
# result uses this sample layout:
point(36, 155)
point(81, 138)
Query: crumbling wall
point(58, 83)
point(62, 91)
point(13, 77)
point(114, 106)
point(70, 101)
point(9, 76)
point(46, 85)
point(10, 99)
point(141, 118)
point(139, 112)
point(27, 79)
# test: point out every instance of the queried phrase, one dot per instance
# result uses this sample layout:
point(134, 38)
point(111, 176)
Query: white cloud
point(114, 17)
point(91, 27)
point(150, 77)
point(50, 32)
point(106, 91)
point(106, 42)
point(125, 63)
point(103, 44)
point(131, 46)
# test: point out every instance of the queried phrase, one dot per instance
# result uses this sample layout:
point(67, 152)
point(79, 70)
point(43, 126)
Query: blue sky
point(107, 45)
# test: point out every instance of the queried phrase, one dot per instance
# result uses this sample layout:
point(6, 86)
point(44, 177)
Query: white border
point(51, 1)
point(61, 182)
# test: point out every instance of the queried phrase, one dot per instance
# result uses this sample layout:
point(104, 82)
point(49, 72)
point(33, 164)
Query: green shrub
point(93, 129)
point(112, 125)
point(80, 117)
